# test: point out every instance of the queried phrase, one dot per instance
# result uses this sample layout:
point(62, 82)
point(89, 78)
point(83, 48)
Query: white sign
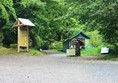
point(105, 50)
point(70, 52)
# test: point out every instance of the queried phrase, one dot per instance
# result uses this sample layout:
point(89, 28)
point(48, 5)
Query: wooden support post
point(77, 49)
point(23, 33)
point(18, 40)
point(27, 38)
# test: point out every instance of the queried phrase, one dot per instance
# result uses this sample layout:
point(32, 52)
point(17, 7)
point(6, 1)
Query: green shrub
point(34, 52)
point(56, 45)
point(40, 43)
point(95, 39)
point(13, 45)
point(1, 38)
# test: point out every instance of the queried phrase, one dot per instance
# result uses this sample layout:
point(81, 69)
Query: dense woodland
point(57, 20)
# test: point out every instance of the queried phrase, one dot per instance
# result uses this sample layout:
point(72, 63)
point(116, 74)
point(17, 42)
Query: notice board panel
point(23, 37)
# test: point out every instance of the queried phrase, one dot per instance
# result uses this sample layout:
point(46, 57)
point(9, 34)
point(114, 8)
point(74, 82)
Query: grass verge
point(91, 52)
point(114, 59)
point(13, 51)
point(110, 57)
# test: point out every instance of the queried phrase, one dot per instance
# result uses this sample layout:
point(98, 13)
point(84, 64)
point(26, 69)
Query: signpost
point(23, 32)
point(105, 50)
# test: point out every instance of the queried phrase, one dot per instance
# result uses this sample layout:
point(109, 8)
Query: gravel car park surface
point(56, 68)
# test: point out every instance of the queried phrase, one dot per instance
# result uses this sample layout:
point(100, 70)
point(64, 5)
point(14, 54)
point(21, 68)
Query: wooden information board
point(23, 25)
point(23, 37)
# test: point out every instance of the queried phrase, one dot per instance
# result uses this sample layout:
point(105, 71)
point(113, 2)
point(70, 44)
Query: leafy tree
point(96, 39)
point(7, 13)
point(45, 14)
point(99, 15)
point(6, 8)
point(58, 19)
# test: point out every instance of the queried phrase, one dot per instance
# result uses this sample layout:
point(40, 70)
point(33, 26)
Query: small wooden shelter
point(80, 37)
point(22, 26)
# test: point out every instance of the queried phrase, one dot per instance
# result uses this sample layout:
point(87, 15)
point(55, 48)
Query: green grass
point(91, 52)
point(114, 59)
point(34, 52)
point(110, 57)
point(96, 52)
point(13, 51)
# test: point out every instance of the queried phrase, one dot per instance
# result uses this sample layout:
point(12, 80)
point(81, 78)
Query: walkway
point(56, 68)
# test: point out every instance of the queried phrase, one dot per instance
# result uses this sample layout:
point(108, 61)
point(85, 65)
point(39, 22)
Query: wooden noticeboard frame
point(23, 32)
point(23, 37)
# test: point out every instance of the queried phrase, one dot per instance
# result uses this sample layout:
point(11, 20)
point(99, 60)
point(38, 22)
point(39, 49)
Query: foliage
point(56, 45)
point(9, 34)
point(6, 9)
point(99, 15)
point(1, 38)
point(14, 46)
point(91, 52)
point(96, 39)
point(33, 52)
point(57, 20)
point(40, 44)
point(7, 13)
point(114, 59)
point(110, 57)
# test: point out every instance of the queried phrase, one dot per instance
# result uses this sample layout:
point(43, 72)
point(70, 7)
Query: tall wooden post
point(77, 49)
point(27, 38)
point(18, 37)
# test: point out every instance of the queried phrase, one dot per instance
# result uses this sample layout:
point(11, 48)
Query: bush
point(56, 45)
point(13, 45)
point(34, 52)
point(96, 39)
point(91, 52)
point(1, 38)
point(41, 44)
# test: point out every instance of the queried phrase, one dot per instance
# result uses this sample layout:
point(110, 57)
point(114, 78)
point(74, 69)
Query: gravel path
point(56, 68)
